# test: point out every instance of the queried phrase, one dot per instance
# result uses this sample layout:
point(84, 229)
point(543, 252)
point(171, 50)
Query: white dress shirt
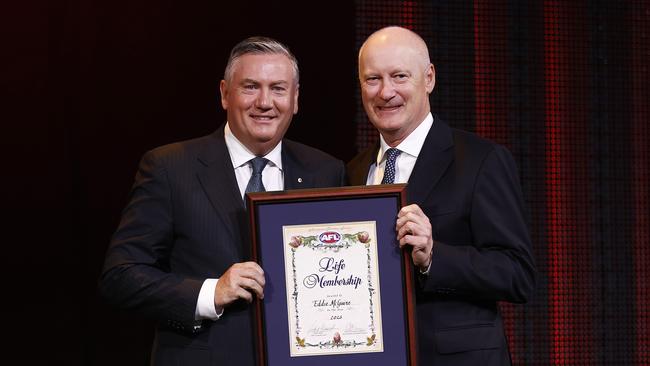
point(405, 162)
point(273, 180)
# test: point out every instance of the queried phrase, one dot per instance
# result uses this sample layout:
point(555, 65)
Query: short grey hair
point(259, 45)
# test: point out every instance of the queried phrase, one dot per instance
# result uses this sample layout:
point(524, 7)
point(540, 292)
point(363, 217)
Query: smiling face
point(396, 79)
point(260, 99)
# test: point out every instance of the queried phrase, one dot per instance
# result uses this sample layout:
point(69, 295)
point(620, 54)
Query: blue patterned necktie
point(389, 170)
point(255, 183)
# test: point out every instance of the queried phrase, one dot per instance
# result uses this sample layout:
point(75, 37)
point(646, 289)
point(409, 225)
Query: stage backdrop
point(565, 86)
point(91, 85)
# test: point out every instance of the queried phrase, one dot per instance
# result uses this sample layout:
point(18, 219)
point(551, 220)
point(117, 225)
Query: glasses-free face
point(260, 99)
point(395, 87)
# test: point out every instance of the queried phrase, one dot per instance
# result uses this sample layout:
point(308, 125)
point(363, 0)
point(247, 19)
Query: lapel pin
point(299, 180)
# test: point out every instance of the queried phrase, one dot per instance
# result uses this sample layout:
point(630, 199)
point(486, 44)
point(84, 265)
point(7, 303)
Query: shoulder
point(180, 152)
point(471, 149)
point(470, 139)
point(469, 143)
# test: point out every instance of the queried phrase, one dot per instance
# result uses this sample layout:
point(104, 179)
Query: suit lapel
point(434, 159)
point(296, 175)
point(217, 177)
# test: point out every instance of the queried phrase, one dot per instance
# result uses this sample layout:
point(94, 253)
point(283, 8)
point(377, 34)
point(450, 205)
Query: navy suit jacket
point(469, 189)
point(186, 222)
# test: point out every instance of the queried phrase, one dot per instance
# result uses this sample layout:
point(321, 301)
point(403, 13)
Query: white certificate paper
point(332, 280)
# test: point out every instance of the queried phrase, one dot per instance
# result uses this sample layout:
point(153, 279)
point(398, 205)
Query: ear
point(430, 78)
point(295, 99)
point(223, 88)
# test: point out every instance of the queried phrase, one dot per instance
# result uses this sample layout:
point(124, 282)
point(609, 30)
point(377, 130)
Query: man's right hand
point(240, 281)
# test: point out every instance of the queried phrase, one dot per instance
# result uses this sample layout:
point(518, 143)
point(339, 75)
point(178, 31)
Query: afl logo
point(329, 237)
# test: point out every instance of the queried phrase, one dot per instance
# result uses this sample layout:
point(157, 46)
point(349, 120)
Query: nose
point(387, 90)
point(263, 100)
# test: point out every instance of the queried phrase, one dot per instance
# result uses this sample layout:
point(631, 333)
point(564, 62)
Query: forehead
point(389, 57)
point(268, 66)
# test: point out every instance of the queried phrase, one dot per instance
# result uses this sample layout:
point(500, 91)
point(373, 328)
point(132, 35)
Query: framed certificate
point(338, 288)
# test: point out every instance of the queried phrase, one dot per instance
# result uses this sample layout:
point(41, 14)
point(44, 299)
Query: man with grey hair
point(181, 253)
point(464, 223)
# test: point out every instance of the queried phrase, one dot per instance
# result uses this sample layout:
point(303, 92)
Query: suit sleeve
point(498, 264)
point(136, 270)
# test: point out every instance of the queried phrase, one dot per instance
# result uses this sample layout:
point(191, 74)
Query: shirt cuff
point(425, 273)
point(205, 307)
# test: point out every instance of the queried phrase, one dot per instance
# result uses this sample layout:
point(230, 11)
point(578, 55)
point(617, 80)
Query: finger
point(409, 240)
point(410, 209)
point(412, 217)
point(240, 281)
point(417, 242)
point(251, 266)
point(254, 286)
point(244, 295)
point(408, 228)
point(249, 276)
point(254, 276)
point(402, 219)
point(420, 252)
point(406, 209)
point(419, 224)
point(249, 270)
point(401, 224)
point(227, 292)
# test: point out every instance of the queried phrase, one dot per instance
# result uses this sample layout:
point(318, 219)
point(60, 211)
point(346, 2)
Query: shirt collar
point(240, 155)
point(412, 144)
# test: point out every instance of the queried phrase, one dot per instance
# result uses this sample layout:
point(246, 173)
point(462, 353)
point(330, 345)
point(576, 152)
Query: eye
point(400, 77)
point(372, 80)
point(250, 86)
point(278, 88)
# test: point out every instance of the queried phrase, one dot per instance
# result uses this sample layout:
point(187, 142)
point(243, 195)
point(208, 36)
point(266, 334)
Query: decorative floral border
point(346, 241)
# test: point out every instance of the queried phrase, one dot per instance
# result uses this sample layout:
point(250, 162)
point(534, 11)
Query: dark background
point(89, 86)
point(93, 85)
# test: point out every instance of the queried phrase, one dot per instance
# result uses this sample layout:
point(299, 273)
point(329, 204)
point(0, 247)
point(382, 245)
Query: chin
point(264, 132)
point(263, 139)
point(389, 124)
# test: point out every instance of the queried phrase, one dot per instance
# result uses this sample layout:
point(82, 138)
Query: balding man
point(465, 219)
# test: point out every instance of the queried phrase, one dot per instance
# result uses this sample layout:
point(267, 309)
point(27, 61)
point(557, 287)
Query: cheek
point(245, 100)
point(285, 103)
point(367, 94)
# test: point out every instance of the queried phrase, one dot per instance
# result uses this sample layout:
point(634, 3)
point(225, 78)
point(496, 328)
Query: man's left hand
point(414, 229)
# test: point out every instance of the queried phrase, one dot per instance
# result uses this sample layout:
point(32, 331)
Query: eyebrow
point(253, 81)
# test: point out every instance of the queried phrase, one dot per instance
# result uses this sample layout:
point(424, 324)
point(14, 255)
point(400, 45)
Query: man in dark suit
point(465, 218)
point(181, 254)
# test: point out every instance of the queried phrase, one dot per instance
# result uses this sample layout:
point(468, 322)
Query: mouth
point(388, 108)
point(262, 118)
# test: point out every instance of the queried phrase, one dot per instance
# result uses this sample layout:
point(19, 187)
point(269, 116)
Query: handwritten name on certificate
point(332, 288)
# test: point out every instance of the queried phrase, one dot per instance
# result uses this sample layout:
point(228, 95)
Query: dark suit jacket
point(469, 189)
point(186, 222)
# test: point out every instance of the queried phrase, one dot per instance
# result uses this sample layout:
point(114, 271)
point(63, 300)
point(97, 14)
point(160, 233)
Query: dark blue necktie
point(255, 183)
point(389, 170)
